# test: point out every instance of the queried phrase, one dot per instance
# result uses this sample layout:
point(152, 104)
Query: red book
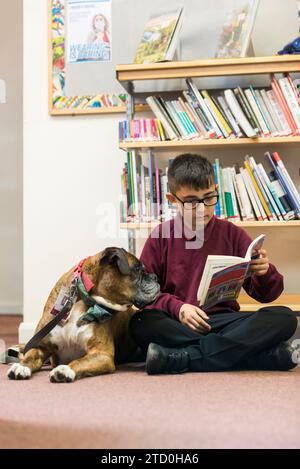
point(288, 76)
point(284, 106)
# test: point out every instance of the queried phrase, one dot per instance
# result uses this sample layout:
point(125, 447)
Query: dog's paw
point(62, 374)
point(17, 371)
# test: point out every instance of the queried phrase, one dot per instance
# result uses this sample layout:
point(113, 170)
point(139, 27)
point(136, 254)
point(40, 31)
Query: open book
point(223, 276)
point(160, 37)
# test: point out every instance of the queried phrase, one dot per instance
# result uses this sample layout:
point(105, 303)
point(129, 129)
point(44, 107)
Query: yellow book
point(160, 129)
point(219, 115)
point(259, 193)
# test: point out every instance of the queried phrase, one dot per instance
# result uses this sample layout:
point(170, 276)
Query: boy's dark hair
point(190, 170)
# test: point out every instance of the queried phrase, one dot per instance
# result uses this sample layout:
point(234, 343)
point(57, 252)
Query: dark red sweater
point(179, 269)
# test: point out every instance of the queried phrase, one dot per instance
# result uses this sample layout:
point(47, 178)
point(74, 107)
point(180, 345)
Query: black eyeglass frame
point(197, 201)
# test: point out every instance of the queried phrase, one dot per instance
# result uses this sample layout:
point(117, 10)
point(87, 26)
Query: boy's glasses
point(209, 201)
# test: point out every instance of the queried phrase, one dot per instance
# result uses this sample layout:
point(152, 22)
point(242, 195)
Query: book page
point(256, 244)
point(225, 285)
point(215, 264)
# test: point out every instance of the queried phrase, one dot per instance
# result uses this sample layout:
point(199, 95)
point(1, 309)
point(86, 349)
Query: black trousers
point(233, 337)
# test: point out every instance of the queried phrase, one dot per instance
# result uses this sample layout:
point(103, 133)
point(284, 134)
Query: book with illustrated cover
point(223, 276)
point(160, 37)
point(235, 37)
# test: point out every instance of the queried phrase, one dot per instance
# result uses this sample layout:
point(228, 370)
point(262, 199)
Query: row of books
point(249, 192)
point(89, 102)
point(246, 193)
point(141, 130)
point(230, 113)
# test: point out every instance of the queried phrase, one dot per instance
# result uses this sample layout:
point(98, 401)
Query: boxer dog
point(79, 347)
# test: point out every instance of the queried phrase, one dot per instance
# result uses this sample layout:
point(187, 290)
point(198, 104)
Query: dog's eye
point(138, 269)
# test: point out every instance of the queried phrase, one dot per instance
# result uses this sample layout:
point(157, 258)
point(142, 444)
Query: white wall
point(11, 269)
point(71, 166)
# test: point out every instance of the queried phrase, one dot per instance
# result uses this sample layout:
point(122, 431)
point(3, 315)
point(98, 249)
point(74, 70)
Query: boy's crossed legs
point(236, 340)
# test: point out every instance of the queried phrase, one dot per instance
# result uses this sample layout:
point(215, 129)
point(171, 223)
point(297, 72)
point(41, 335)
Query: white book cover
point(291, 100)
point(204, 107)
point(273, 115)
point(241, 210)
point(249, 189)
point(233, 196)
point(159, 114)
point(277, 109)
point(257, 112)
point(229, 116)
point(249, 215)
point(239, 114)
point(266, 114)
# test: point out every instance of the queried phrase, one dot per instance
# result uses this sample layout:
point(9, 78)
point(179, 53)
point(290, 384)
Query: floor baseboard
point(12, 309)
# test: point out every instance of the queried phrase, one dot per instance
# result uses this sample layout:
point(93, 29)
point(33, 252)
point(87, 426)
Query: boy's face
point(186, 200)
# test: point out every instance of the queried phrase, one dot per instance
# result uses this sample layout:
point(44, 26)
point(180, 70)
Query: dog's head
point(123, 279)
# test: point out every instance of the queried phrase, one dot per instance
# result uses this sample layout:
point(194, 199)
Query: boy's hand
point(261, 265)
point(194, 318)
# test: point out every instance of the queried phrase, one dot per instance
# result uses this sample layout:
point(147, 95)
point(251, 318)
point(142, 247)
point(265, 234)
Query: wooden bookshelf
point(249, 304)
point(128, 74)
point(174, 145)
point(98, 110)
point(243, 224)
point(208, 68)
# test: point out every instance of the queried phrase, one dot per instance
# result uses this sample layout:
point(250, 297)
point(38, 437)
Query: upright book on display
point(160, 37)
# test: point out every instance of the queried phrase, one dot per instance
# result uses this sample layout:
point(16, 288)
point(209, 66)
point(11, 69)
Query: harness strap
point(36, 339)
point(81, 285)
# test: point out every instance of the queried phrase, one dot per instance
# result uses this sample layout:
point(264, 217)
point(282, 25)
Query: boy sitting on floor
point(177, 335)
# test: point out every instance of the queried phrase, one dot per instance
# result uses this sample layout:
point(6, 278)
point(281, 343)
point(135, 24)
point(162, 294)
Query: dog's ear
point(116, 256)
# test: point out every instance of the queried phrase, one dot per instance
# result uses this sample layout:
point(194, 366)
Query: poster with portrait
point(89, 31)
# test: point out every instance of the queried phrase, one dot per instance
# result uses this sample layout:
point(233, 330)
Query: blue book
point(218, 208)
point(293, 202)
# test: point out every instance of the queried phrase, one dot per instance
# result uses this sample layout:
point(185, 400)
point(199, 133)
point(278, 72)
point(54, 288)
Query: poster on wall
point(89, 31)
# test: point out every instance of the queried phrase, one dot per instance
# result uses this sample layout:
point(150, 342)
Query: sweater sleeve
point(153, 259)
point(264, 288)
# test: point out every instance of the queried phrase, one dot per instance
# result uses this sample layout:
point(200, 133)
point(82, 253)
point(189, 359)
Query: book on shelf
point(160, 37)
point(235, 37)
point(247, 192)
point(221, 114)
point(223, 276)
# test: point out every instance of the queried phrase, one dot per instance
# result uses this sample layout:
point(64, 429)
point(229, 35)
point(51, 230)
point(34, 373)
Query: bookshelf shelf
point(213, 143)
point(208, 68)
point(249, 304)
point(251, 224)
point(103, 110)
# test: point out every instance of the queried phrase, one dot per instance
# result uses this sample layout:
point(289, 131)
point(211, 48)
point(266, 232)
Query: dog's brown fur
point(109, 343)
